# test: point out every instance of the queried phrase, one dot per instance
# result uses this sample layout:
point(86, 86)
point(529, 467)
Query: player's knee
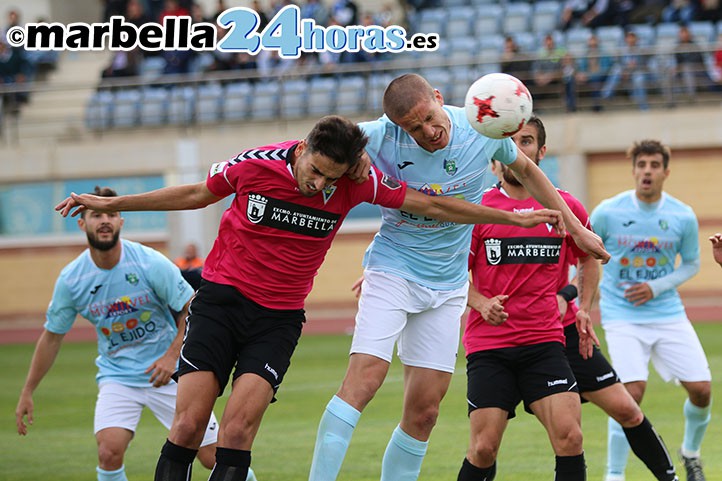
point(701, 395)
point(483, 452)
point(425, 418)
point(359, 393)
point(628, 414)
point(110, 457)
point(237, 432)
point(188, 431)
point(568, 442)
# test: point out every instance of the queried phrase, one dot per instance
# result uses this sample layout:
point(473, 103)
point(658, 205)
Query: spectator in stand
point(630, 65)
point(591, 71)
point(113, 7)
point(171, 8)
point(123, 64)
point(514, 62)
point(573, 11)
point(680, 11)
point(547, 70)
point(315, 10)
point(12, 67)
point(716, 69)
point(345, 12)
point(135, 13)
point(709, 11)
point(690, 64)
point(256, 5)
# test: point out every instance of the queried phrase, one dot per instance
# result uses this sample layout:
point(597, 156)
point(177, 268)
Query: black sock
point(175, 463)
point(571, 468)
point(648, 446)
point(469, 472)
point(231, 465)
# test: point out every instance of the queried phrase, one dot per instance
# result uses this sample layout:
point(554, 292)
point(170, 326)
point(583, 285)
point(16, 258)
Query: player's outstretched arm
point(542, 190)
point(163, 368)
point(46, 350)
point(177, 197)
point(716, 241)
point(451, 209)
point(588, 281)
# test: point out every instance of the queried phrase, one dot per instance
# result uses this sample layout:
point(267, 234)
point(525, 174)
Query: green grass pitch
point(61, 445)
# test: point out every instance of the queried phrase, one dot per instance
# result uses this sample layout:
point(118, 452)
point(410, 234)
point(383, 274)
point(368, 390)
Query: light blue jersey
point(423, 250)
point(644, 241)
point(128, 305)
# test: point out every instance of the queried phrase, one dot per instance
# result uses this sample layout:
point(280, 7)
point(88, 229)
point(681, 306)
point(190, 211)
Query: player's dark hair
point(101, 192)
point(338, 139)
point(541, 132)
point(649, 147)
point(404, 93)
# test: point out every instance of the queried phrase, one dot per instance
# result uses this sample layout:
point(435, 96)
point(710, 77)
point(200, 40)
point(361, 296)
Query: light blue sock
point(334, 434)
point(617, 449)
point(117, 475)
point(251, 475)
point(403, 457)
point(696, 420)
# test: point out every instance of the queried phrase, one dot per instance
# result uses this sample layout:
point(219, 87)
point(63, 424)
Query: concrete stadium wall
point(590, 149)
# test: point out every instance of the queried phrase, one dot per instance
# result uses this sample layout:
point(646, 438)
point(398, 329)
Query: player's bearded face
point(102, 230)
point(314, 171)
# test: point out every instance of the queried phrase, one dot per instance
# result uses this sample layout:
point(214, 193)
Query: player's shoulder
point(77, 268)
point(623, 199)
point(569, 198)
point(672, 202)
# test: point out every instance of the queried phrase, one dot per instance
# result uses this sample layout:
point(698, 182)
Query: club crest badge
point(328, 192)
point(450, 166)
point(493, 251)
point(132, 278)
point(663, 224)
point(256, 207)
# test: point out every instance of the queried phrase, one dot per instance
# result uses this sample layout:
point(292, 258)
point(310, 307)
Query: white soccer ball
point(498, 105)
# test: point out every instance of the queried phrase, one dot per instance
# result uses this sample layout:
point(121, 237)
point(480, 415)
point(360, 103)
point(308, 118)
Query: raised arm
point(46, 350)
point(532, 177)
point(451, 209)
point(177, 197)
point(588, 280)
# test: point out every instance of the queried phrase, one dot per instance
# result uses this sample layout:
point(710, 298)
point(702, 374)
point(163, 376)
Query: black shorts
point(226, 330)
point(502, 378)
point(592, 374)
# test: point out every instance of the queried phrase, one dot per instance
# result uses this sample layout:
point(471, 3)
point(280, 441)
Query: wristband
point(568, 292)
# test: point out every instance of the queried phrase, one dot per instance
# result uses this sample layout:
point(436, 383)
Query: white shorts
point(120, 406)
point(425, 323)
point(674, 349)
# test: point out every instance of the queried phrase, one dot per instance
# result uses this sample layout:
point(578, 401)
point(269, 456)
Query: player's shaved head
point(404, 93)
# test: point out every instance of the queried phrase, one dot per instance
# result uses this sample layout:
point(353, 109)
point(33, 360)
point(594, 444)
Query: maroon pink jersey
point(272, 239)
point(526, 265)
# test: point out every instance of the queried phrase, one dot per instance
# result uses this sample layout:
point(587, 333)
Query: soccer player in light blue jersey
point(416, 273)
point(125, 290)
point(645, 229)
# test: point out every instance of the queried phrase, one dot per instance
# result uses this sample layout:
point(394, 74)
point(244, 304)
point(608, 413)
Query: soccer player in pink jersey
point(596, 380)
point(246, 319)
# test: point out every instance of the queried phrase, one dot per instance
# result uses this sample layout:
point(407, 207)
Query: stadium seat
point(703, 33)
point(322, 96)
point(126, 108)
point(490, 47)
point(153, 107)
point(576, 41)
point(264, 100)
point(208, 104)
point(236, 101)
point(484, 3)
point(517, 17)
point(439, 78)
point(667, 35)
point(610, 38)
point(487, 20)
point(546, 16)
point(460, 22)
point(151, 68)
point(433, 20)
point(181, 105)
point(376, 86)
point(527, 42)
point(293, 98)
point(99, 110)
point(351, 95)
point(463, 50)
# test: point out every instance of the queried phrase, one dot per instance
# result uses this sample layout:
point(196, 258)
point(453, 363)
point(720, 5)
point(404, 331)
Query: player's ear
point(81, 223)
point(439, 98)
